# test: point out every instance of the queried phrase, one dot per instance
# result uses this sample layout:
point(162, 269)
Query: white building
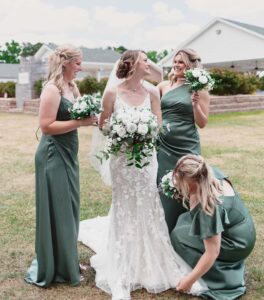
point(227, 44)
point(97, 62)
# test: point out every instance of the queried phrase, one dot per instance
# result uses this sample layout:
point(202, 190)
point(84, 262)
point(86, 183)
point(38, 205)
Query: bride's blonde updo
point(193, 167)
point(127, 64)
point(61, 55)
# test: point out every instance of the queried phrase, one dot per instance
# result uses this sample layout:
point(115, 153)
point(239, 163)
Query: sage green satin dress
point(178, 137)
point(225, 279)
point(57, 207)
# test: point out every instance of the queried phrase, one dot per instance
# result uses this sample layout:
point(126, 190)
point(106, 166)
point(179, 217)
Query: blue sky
point(145, 24)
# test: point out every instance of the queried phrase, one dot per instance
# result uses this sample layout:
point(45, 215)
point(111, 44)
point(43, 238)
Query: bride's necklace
point(135, 89)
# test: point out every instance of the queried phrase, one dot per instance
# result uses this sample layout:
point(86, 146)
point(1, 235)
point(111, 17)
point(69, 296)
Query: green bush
point(261, 83)
point(230, 82)
point(101, 85)
point(8, 87)
point(37, 87)
point(89, 85)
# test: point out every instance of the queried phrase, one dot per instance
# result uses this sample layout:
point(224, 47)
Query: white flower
point(142, 129)
point(76, 105)
point(83, 105)
point(131, 127)
point(120, 131)
point(203, 79)
point(196, 73)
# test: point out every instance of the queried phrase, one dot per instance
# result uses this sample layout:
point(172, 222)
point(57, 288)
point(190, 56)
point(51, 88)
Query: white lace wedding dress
point(132, 245)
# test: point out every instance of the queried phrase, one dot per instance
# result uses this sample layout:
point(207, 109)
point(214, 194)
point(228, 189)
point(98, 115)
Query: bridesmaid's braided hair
point(195, 168)
point(127, 64)
point(60, 56)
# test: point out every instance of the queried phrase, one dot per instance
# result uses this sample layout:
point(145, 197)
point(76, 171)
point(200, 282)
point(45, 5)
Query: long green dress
point(57, 207)
point(179, 136)
point(225, 279)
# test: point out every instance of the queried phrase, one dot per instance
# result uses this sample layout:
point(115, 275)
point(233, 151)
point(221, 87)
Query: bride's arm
point(108, 107)
point(156, 72)
point(155, 106)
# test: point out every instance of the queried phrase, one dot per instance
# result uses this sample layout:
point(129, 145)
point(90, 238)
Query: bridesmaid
point(217, 233)
point(57, 175)
point(181, 112)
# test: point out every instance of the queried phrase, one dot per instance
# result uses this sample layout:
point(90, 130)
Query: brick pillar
point(30, 70)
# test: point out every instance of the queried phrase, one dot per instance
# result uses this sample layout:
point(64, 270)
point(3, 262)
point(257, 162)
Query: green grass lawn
point(234, 142)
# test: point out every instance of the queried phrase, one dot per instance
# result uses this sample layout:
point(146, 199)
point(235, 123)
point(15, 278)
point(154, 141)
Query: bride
point(137, 252)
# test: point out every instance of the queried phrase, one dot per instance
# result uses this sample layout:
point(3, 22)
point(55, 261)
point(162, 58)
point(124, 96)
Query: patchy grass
point(234, 142)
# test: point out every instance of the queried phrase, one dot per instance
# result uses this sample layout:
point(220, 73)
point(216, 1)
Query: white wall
point(230, 44)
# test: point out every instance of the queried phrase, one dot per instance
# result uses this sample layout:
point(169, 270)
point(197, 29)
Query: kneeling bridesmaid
point(217, 233)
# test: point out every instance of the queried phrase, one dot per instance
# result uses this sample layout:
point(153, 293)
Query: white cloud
point(33, 21)
point(112, 18)
point(220, 8)
point(166, 37)
point(166, 14)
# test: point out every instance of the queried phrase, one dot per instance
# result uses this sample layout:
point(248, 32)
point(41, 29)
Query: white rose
point(203, 79)
point(76, 105)
point(142, 129)
point(131, 127)
point(196, 73)
point(121, 131)
point(83, 105)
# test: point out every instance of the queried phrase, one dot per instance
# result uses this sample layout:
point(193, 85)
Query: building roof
point(9, 71)
point(252, 30)
point(257, 29)
point(100, 55)
point(96, 55)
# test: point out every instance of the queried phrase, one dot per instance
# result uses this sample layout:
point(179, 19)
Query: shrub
point(89, 85)
point(8, 87)
point(37, 87)
point(101, 85)
point(230, 82)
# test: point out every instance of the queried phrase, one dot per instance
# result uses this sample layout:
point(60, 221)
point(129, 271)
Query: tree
point(10, 54)
point(120, 49)
point(162, 54)
point(29, 49)
point(152, 55)
point(156, 56)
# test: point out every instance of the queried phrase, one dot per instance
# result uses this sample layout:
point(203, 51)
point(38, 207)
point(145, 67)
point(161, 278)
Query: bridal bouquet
point(86, 106)
point(132, 131)
point(168, 188)
point(199, 79)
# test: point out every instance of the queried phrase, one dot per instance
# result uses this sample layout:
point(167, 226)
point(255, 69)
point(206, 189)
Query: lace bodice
point(121, 103)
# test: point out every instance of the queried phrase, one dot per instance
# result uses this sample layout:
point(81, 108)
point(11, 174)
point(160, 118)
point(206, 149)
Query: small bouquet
point(168, 188)
point(86, 106)
point(199, 79)
point(132, 131)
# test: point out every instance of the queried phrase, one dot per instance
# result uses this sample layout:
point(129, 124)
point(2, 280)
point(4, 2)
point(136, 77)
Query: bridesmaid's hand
point(195, 98)
point(184, 286)
point(90, 121)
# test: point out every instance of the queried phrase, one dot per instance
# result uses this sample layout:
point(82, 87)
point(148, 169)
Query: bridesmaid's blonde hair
point(195, 168)
point(190, 58)
point(62, 54)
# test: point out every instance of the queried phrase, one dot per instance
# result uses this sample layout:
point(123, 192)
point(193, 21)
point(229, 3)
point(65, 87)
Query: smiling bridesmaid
point(57, 175)
point(181, 112)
